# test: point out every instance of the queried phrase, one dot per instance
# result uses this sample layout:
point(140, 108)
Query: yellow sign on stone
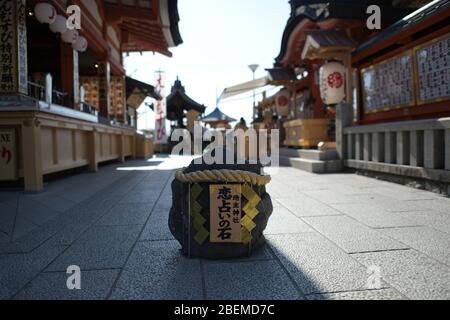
point(8, 160)
point(225, 213)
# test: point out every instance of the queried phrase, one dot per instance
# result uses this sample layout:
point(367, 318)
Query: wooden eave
point(140, 26)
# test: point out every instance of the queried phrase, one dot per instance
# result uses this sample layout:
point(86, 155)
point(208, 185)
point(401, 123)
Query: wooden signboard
point(91, 89)
point(117, 96)
point(225, 213)
point(8, 159)
point(389, 84)
point(433, 70)
point(13, 48)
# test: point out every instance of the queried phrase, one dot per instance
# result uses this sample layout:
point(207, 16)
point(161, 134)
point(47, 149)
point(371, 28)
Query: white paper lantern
point(80, 45)
point(45, 12)
point(282, 103)
point(70, 36)
point(60, 24)
point(333, 82)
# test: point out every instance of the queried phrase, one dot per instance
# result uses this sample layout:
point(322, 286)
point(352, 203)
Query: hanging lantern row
point(46, 13)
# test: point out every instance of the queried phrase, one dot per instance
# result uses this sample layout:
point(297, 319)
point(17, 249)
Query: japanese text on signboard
point(225, 213)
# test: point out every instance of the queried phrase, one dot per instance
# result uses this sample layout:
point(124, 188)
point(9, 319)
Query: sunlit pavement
point(330, 237)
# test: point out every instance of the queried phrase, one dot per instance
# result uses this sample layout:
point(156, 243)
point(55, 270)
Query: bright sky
point(221, 38)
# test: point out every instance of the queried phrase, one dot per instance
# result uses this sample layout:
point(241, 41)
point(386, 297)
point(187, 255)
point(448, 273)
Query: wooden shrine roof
point(178, 99)
point(310, 14)
point(426, 17)
point(146, 25)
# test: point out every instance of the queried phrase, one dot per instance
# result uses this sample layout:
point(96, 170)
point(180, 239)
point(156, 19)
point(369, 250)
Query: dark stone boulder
point(182, 228)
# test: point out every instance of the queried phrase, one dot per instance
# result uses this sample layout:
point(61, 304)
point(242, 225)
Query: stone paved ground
point(326, 234)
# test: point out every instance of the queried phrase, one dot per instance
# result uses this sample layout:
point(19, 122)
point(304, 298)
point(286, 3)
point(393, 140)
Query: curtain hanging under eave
point(244, 87)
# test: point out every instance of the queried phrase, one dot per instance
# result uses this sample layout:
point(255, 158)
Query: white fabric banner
point(160, 110)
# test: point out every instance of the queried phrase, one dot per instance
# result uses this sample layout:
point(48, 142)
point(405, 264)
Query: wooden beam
point(116, 12)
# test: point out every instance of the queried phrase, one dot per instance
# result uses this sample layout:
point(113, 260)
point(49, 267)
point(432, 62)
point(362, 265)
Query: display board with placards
point(389, 84)
point(433, 70)
point(420, 76)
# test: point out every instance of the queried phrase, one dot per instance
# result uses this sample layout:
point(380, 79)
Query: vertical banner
point(160, 110)
point(104, 85)
point(13, 48)
point(225, 213)
point(8, 161)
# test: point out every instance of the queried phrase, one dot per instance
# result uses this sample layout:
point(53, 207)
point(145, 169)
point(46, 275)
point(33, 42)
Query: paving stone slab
point(333, 196)
point(50, 200)
point(262, 254)
point(317, 265)
point(7, 217)
point(9, 196)
point(383, 294)
point(391, 204)
point(399, 192)
point(4, 238)
point(430, 218)
point(374, 217)
point(101, 247)
point(126, 214)
point(433, 243)
point(157, 271)
point(412, 273)
point(157, 227)
point(262, 280)
point(441, 204)
point(283, 221)
point(35, 211)
point(5, 292)
point(18, 269)
point(303, 206)
point(22, 227)
point(95, 285)
point(351, 235)
point(141, 197)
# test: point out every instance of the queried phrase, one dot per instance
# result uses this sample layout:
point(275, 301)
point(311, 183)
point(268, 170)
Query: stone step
point(313, 166)
point(309, 154)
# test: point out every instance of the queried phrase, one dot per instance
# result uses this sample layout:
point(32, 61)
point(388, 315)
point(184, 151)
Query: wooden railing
point(413, 148)
point(87, 108)
point(38, 92)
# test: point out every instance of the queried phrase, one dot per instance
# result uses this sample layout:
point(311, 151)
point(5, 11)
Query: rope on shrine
point(223, 175)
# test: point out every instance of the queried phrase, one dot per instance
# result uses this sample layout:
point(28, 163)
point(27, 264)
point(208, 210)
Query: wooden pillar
point(359, 146)
point(416, 149)
point(350, 146)
point(403, 148)
point(378, 147)
point(347, 60)
point(133, 147)
point(343, 120)
point(13, 49)
point(104, 75)
point(344, 110)
point(121, 138)
point(32, 156)
point(434, 149)
point(390, 152)
point(447, 149)
point(93, 152)
point(70, 79)
point(367, 147)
